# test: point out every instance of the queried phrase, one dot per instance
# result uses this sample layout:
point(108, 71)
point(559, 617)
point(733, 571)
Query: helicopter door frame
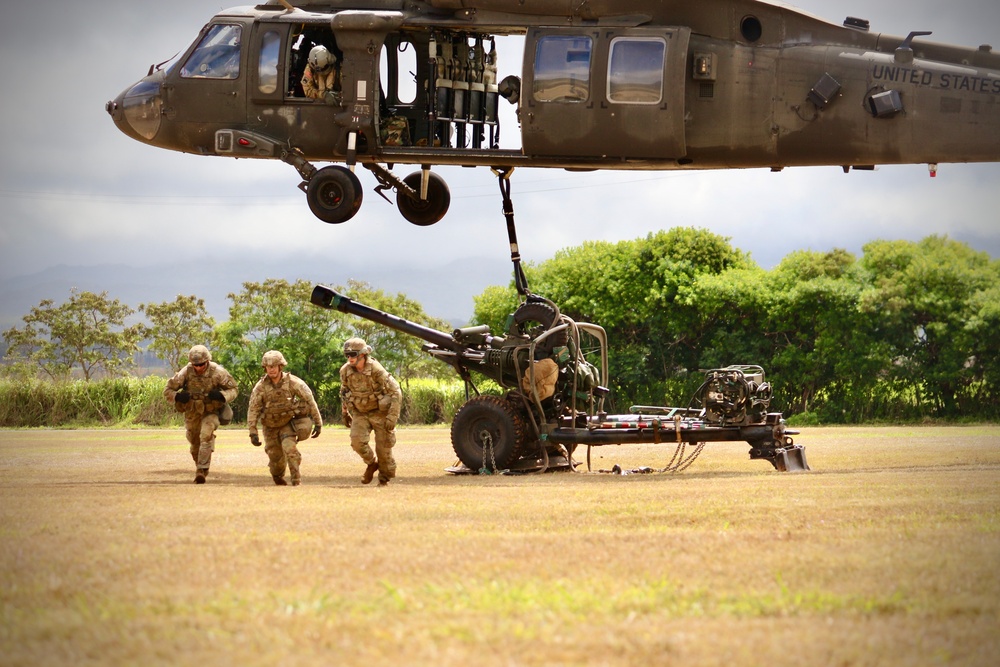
point(617, 93)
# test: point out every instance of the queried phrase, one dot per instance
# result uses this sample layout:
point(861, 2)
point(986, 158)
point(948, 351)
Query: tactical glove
point(316, 429)
point(182, 397)
point(216, 395)
point(255, 440)
point(347, 418)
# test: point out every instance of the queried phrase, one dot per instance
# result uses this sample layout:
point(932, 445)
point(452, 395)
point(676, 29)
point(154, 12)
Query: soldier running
point(202, 390)
point(370, 401)
point(285, 405)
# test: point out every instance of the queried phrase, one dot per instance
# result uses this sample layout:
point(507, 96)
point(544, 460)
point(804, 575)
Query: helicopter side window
point(562, 69)
point(635, 70)
point(217, 56)
point(267, 73)
point(302, 41)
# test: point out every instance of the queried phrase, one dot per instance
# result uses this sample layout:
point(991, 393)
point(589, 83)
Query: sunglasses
point(200, 365)
point(351, 355)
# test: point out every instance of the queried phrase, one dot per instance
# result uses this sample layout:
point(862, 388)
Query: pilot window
point(635, 70)
point(217, 56)
point(562, 69)
point(268, 72)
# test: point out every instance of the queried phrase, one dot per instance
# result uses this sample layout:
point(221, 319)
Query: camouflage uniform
point(315, 84)
point(289, 414)
point(201, 413)
point(373, 400)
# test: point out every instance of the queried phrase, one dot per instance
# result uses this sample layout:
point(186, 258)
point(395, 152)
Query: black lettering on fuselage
point(943, 81)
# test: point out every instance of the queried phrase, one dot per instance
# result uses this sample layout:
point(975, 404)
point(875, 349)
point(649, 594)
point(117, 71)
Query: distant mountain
point(444, 290)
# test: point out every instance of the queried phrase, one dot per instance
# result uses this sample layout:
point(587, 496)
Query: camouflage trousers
point(281, 446)
point(362, 424)
point(200, 432)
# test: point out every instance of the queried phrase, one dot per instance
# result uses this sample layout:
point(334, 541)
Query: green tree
point(924, 296)
point(639, 290)
point(276, 314)
point(87, 332)
point(177, 325)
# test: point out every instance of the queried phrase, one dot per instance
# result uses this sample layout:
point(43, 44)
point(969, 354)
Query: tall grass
point(109, 402)
point(131, 401)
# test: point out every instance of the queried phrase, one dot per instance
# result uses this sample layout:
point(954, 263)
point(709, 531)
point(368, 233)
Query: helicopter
point(603, 84)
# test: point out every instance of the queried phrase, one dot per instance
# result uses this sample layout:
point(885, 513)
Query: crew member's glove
point(182, 397)
point(216, 395)
point(255, 440)
point(346, 416)
point(316, 429)
point(333, 98)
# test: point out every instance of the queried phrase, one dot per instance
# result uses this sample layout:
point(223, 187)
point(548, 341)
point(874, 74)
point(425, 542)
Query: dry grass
point(886, 554)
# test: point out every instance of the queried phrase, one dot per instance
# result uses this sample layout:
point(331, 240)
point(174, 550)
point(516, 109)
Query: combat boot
point(200, 477)
point(383, 482)
point(369, 472)
point(296, 481)
point(279, 480)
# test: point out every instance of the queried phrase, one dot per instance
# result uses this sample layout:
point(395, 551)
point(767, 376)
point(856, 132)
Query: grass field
point(888, 553)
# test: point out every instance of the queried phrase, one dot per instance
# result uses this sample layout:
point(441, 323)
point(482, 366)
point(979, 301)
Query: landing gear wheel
point(428, 211)
point(488, 432)
point(334, 194)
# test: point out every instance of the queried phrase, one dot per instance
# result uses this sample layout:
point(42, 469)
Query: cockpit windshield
point(217, 56)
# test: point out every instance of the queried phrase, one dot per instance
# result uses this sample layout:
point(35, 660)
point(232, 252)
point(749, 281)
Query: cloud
point(74, 190)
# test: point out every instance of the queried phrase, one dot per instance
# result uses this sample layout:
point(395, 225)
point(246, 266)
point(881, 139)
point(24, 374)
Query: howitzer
point(554, 372)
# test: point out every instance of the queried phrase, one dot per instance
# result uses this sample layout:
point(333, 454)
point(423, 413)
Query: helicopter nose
point(136, 111)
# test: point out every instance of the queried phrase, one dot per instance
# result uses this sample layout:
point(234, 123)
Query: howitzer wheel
point(488, 432)
point(533, 319)
point(425, 212)
point(334, 194)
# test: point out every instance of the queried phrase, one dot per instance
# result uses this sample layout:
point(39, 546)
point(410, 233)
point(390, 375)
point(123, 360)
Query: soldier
point(202, 390)
point(320, 77)
point(370, 400)
point(286, 406)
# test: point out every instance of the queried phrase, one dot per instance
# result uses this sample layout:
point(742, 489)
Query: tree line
point(907, 331)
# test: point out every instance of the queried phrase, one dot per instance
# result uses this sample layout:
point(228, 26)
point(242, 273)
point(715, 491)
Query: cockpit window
point(217, 55)
point(562, 69)
point(635, 70)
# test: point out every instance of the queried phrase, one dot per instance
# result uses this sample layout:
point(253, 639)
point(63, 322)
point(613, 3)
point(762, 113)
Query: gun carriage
point(554, 371)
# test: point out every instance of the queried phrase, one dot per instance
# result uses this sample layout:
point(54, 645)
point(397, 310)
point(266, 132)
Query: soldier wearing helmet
point(321, 80)
point(370, 400)
point(202, 390)
point(285, 406)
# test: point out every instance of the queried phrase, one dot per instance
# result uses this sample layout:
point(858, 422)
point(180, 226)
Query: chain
point(487, 438)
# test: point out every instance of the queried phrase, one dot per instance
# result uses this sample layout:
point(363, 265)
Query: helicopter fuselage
point(601, 85)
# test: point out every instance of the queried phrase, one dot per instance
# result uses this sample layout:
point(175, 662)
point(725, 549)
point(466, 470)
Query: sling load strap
point(520, 281)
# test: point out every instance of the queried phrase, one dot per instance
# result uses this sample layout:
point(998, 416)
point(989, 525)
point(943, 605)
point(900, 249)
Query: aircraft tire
point(334, 194)
point(427, 212)
point(490, 428)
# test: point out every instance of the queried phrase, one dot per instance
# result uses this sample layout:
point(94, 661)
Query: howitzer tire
point(334, 194)
point(533, 319)
point(427, 211)
point(488, 431)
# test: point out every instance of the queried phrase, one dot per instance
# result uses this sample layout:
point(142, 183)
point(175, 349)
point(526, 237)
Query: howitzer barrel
point(330, 299)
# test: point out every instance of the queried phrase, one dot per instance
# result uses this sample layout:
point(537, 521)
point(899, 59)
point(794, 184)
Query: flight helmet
point(320, 58)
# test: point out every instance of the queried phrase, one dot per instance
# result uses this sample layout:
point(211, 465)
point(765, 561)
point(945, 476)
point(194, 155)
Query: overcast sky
point(76, 191)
